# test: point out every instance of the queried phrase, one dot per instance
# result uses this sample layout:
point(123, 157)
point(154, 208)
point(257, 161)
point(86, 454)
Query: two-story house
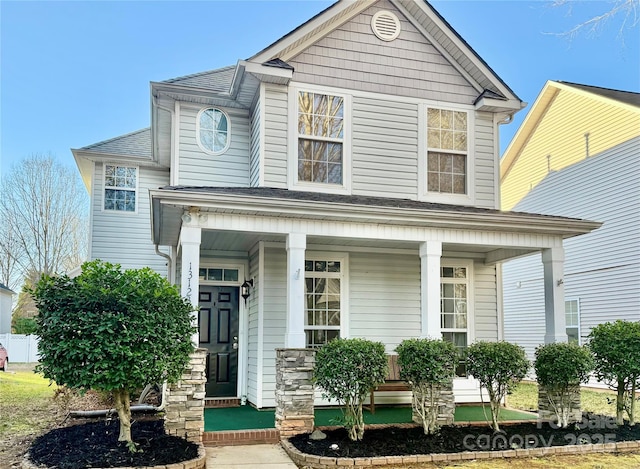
point(577, 153)
point(342, 182)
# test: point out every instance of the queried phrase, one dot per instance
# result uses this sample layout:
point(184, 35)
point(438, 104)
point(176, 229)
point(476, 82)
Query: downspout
point(169, 262)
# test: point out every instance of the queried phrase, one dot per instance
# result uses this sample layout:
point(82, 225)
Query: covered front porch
point(314, 267)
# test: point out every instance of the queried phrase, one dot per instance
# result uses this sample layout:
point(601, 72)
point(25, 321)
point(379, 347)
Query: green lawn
point(25, 403)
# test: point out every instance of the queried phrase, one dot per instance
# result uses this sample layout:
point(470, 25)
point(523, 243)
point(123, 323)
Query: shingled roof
point(628, 97)
point(136, 143)
point(215, 80)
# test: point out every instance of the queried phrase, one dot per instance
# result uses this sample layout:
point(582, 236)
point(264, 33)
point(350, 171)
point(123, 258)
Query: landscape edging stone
point(316, 462)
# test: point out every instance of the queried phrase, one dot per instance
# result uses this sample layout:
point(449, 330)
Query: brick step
point(241, 437)
point(221, 402)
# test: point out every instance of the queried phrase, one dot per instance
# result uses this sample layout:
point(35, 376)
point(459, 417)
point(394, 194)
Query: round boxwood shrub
point(428, 366)
point(560, 368)
point(499, 366)
point(347, 370)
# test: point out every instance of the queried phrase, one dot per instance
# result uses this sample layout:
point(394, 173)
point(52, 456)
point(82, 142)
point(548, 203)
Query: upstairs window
point(120, 188)
point(447, 151)
point(213, 130)
point(320, 138)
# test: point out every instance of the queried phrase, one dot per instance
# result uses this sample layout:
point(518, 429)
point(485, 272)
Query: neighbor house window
point(213, 130)
point(447, 164)
point(323, 285)
point(454, 301)
point(120, 188)
point(572, 317)
point(320, 138)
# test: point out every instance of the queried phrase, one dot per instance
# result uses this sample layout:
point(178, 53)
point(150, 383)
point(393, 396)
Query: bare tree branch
point(44, 229)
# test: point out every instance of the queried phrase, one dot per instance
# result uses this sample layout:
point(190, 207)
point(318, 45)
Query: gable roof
point(426, 19)
point(136, 143)
point(4, 288)
point(214, 80)
point(542, 103)
point(627, 97)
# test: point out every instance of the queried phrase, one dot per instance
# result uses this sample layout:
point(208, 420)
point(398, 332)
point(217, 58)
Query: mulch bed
point(95, 444)
point(394, 441)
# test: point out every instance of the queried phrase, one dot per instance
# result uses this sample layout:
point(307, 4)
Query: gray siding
point(197, 168)
point(125, 238)
point(602, 268)
point(256, 122)
point(253, 329)
point(485, 161)
point(274, 321)
point(384, 297)
point(353, 57)
point(384, 148)
point(275, 136)
point(485, 298)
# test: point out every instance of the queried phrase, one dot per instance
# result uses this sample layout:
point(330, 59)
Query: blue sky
point(75, 73)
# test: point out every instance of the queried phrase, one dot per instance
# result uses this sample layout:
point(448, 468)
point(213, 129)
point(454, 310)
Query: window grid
point(213, 130)
point(320, 138)
point(120, 188)
point(454, 297)
point(323, 285)
point(447, 133)
point(572, 318)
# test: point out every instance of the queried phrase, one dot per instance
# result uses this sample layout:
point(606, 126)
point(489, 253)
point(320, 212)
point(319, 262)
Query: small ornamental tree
point(347, 370)
point(560, 368)
point(428, 366)
point(499, 366)
point(112, 330)
point(616, 350)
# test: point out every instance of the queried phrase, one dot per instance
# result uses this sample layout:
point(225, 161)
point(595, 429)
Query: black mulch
point(96, 444)
point(394, 441)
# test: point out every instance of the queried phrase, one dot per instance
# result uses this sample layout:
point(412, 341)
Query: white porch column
point(296, 245)
point(555, 321)
point(190, 237)
point(430, 254)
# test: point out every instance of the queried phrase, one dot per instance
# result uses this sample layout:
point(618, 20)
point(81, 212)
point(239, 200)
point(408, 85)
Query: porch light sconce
point(244, 289)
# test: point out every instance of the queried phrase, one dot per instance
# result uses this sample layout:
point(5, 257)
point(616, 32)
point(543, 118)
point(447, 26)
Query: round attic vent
point(385, 25)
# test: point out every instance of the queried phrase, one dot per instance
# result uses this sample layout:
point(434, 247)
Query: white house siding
point(275, 136)
point(353, 57)
point(387, 166)
point(485, 299)
point(197, 168)
point(256, 122)
point(125, 238)
point(253, 324)
point(602, 268)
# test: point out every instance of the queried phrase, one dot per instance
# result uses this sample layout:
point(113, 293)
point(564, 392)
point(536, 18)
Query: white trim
point(104, 187)
point(175, 164)
point(93, 198)
point(423, 149)
point(500, 300)
point(262, 134)
point(243, 332)
point(292, 152)
point(343, 258)
point(260, 352)
point(198, 140)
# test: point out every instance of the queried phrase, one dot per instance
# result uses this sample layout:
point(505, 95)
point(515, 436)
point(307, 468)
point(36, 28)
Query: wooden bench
point(392, 382)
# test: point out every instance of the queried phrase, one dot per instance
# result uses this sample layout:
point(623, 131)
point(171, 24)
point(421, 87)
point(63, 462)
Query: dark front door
point(218, 321)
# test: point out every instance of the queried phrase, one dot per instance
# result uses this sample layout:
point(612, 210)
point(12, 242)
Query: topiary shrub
point(428, 366)
point(112, 330)
point(616, 350)
point(347, 370)
point(560, 368)
point(498, 366)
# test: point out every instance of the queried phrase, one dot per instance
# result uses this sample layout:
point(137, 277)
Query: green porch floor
point(248, 418)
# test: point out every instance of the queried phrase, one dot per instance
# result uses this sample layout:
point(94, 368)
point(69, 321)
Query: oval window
point(213, 130)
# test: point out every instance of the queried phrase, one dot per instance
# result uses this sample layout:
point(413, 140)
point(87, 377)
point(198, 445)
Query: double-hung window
point(572, 317)
point(447, 151)
point(120, 188)
point(323, 300)
point(454, 309)
point(321, 134)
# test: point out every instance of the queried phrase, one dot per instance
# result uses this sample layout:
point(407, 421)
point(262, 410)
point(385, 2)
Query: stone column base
point(294, 391)
point(446, 407)
point(546, 410)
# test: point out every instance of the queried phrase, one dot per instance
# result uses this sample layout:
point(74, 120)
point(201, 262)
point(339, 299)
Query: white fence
point(21, 348)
